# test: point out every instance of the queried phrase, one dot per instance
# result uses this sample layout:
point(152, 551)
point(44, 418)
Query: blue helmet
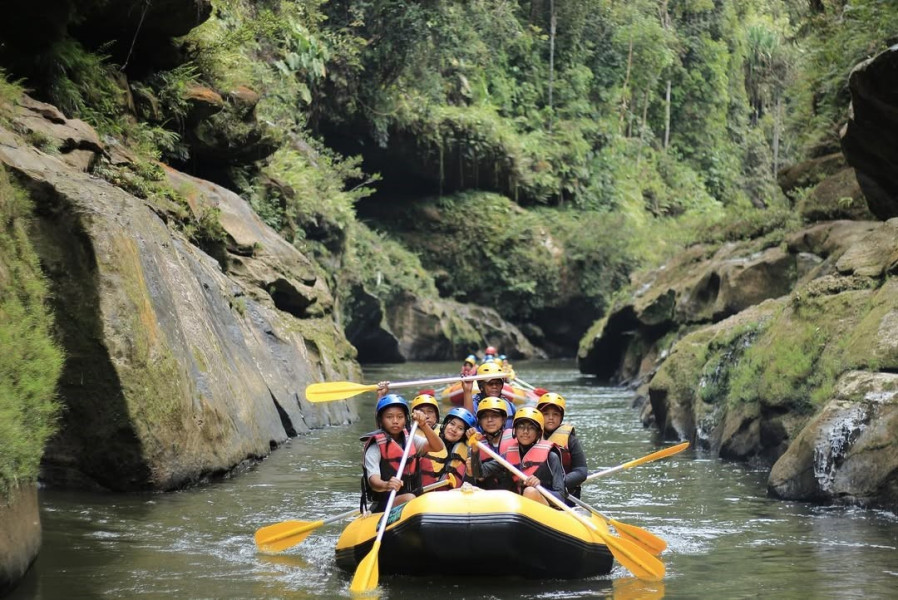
point(463, 414)
point(386, 402)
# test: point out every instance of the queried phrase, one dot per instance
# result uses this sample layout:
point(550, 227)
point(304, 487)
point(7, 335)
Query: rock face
point(417, 328)
point(700, 286)
point(20, 535)
point(847, 452)
point(805, 381)
point(870, 139)
point(175, 369)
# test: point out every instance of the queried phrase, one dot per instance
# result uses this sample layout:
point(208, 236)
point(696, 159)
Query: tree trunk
point(625, 91)
point(667, 116)
point(776, 135)
point(551, 58)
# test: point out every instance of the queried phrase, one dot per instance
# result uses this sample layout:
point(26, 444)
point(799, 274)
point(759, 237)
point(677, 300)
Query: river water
point(726, 538)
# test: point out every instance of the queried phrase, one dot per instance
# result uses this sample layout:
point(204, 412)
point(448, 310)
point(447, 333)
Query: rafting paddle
point(639, 536)
point(280, 536)
point(329, 391)
point(648, 458)
point(639, 562)
point(366, 573)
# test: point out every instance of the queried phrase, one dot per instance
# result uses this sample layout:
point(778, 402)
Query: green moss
point(31, 361)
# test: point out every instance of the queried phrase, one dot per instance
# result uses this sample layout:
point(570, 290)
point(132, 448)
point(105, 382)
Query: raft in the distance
point(470, 531)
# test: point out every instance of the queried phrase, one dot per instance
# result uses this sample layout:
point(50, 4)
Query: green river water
point(726, 538)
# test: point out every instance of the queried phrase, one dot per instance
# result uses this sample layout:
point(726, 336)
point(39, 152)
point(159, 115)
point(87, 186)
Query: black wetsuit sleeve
point(578, 472)
point(556, 487)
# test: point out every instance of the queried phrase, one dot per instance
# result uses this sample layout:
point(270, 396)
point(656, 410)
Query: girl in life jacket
point(457, 422)
point(573, 459)
point(484, 471)
point(539, 459)
point(431, 463)
point(383, 453)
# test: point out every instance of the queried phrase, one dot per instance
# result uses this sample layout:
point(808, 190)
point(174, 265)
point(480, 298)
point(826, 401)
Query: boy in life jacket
point(457, 422)
point(488, 388)
point(573, 459)
point(485, 472)
point(383, 452)
point(539, 459)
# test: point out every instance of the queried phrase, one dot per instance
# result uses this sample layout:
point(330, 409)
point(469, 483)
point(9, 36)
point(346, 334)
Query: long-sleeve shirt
point(578, 471)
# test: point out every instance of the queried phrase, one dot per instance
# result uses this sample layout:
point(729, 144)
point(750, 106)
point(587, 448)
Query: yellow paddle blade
point(280, 536)
point(366, 574)
point(633, 558)
point(656, 455)
point(645, 539)
point(329, 391)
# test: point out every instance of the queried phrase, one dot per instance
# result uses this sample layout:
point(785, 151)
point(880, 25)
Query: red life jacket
point(535, 462)
point(390, 457)
point(561, 438)
point(495, 482)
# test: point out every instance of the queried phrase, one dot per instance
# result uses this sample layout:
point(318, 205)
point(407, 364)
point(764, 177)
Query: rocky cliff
point(179, 365)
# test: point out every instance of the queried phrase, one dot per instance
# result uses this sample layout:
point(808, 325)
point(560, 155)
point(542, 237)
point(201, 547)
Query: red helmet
point(490, 350)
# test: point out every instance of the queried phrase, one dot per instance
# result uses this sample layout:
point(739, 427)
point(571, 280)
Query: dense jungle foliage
point(31, 360)
point(610, 133)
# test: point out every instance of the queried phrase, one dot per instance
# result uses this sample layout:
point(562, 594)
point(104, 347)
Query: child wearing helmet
point(539, 459)
point(488, 388)
point(573, 459)
point(469, 366)
point(491, 417)
point(431, 463)
point(384, 448)
point(457, 422)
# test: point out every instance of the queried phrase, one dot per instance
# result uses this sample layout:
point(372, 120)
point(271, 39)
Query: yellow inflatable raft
point(470, 531)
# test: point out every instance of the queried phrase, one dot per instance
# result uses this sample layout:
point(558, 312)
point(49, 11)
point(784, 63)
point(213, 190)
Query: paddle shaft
point(546, 493)
point(648, 458)
point(394, 384)
point(409, 443)
point(524, 384)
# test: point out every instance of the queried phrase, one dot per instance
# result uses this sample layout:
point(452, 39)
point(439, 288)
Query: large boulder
point(870, 138)
point(849, 452)
point(175, 369)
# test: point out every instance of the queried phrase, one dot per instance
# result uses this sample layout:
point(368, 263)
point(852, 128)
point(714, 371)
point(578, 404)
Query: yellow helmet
point(551, 399)
point(491, 368)
point(422, 399)
point(528, 413)
point(492, 403)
